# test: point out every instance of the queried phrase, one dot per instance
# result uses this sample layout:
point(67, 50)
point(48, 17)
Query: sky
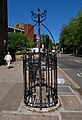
point(59, 13)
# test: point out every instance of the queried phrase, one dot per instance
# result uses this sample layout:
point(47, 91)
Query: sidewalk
point(11, 94)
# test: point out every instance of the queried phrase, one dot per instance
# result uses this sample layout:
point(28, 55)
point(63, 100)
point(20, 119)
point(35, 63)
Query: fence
point(40, 80)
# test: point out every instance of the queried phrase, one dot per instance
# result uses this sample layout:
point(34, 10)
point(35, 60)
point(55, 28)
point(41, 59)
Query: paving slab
point(27, 117)
point(12, 75)
point(71, 115)
point(65, 90)
point(12, 99)
point(5, 87)
point(70, 102)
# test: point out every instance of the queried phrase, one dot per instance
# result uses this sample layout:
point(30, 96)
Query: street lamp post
point(40, 73)
point(41, 17)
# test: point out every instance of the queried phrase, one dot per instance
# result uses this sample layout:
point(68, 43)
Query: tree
point(71, 34)
point(18, 41)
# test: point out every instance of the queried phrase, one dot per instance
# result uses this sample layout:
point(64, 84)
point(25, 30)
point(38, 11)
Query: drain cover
point(65, 89)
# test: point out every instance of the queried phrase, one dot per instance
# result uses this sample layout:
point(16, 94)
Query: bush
point(19, 52)
point(22, 52)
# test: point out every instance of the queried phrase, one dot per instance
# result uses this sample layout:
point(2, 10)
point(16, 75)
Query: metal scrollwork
point(43, 16)
point(34, 16)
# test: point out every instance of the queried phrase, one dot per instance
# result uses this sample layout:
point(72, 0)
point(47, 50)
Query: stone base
point(24, 108)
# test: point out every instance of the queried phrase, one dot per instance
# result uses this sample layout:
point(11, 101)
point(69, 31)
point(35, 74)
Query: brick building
point(28, 30)
point(3, 29)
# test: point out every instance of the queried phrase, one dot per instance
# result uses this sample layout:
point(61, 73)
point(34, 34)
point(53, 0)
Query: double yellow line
point(69, 78)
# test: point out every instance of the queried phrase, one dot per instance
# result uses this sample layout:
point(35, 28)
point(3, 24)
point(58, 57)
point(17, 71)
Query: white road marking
point(79, 74)
point(79, 61)
point(69, 78)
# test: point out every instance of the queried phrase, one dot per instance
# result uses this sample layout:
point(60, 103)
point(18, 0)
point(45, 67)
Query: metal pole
point(25, 79)
point(39, 29)
point(39, 59)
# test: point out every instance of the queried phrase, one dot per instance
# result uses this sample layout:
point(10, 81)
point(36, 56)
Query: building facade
point(28, 30)
point(3, 29)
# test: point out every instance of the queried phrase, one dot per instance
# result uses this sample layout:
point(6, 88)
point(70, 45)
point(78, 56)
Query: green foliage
point(71, 34)
point(18, 41)
point(18, 52)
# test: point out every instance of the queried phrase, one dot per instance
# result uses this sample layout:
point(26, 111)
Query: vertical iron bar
point(25, 79)
point(29, 71)
point(56, 78)
point(48, 80)
point(46, 72)
point(40, 79)
point(54, 74)
point(51, 74)
point(34, 70)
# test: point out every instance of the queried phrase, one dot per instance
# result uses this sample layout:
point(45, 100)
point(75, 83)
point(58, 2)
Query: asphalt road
point(72, 66)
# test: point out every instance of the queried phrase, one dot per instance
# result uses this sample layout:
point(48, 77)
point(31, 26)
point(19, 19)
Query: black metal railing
point(40, 80)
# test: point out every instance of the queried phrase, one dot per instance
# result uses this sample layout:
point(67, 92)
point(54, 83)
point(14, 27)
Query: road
point(72, 66)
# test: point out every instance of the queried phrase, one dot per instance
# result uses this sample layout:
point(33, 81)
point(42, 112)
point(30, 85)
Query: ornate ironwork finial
point(39, 18)
point(35, 16)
